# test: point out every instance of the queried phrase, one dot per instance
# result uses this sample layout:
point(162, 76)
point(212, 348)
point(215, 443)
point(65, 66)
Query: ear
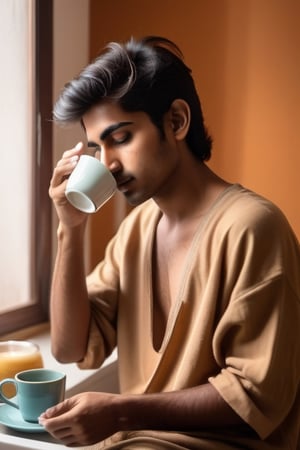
point(180, 118)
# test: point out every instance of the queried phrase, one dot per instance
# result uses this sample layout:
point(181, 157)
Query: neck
point(191, 194)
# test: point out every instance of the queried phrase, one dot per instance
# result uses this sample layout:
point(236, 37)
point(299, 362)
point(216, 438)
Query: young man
point(199, 289)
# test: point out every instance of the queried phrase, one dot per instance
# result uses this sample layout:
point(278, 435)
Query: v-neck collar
point(185, 275)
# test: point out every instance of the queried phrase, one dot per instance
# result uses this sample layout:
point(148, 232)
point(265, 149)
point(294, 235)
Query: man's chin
point(134, 199)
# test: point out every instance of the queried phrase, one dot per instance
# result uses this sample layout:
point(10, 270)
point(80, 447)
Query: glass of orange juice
point(16, 356)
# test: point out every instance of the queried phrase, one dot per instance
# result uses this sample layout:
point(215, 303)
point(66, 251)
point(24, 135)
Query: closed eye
point(120, 138)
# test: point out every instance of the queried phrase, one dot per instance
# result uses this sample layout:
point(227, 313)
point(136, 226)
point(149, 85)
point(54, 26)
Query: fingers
point(75, 422)
point(61, 173)
point(66, 165)
point(57, 410)
point(60, 422)
point(65, 161)
point(77, 150)
point(64, 434)
point(63, 170)
point(67, 213)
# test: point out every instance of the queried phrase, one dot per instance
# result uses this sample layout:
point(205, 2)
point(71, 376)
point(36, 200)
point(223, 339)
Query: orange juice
point(16, 356)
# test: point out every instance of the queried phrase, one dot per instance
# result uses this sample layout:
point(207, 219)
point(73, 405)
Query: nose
point(110, 160)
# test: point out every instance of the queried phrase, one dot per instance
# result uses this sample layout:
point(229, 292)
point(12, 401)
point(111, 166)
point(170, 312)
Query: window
point(25, 161)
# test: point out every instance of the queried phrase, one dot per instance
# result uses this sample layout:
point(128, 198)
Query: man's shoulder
point(239, 195)
point(244, 210)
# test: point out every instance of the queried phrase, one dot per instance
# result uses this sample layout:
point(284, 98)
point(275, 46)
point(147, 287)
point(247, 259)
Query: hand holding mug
point(90, 185)
point(67, 214)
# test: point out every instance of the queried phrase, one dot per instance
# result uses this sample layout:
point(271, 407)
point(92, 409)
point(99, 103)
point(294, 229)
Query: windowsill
point(104, 379)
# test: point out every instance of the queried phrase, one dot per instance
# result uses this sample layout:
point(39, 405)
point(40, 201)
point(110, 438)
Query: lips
point(121, 182)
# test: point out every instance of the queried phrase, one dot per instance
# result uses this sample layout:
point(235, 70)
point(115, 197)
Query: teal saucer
point(11, 417)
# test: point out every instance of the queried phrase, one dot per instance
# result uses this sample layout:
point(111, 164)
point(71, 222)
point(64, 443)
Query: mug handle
point(3, 397)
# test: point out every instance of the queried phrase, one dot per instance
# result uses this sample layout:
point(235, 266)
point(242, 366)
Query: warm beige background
point(246, 62)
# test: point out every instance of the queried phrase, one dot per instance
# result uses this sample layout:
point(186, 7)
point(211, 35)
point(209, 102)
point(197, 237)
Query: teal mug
point(37, 390)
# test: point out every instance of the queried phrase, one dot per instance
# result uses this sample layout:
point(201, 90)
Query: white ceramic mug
point(90, 185)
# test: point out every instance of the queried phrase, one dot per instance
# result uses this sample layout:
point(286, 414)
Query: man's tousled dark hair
point(141, 75)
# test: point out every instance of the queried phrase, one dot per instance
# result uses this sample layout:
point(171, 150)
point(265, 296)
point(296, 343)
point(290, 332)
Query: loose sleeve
point(256, 342)
point(103, 290)
point(112, 284)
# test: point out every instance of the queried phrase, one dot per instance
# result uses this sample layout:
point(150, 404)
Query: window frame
point(41, 219)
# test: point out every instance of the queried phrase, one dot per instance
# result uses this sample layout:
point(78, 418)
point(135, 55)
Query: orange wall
point(245, 61)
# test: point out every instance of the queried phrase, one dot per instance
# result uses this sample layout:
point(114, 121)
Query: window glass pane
point(16, 153)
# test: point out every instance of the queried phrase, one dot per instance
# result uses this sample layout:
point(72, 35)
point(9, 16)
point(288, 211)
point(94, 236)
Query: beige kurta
point(235, 322)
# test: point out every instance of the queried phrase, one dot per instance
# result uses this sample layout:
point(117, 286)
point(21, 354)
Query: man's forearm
point(69, 306)
point(190, 409)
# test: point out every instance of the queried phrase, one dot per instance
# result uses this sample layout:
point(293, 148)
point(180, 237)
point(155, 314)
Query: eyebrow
point(109, 130)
